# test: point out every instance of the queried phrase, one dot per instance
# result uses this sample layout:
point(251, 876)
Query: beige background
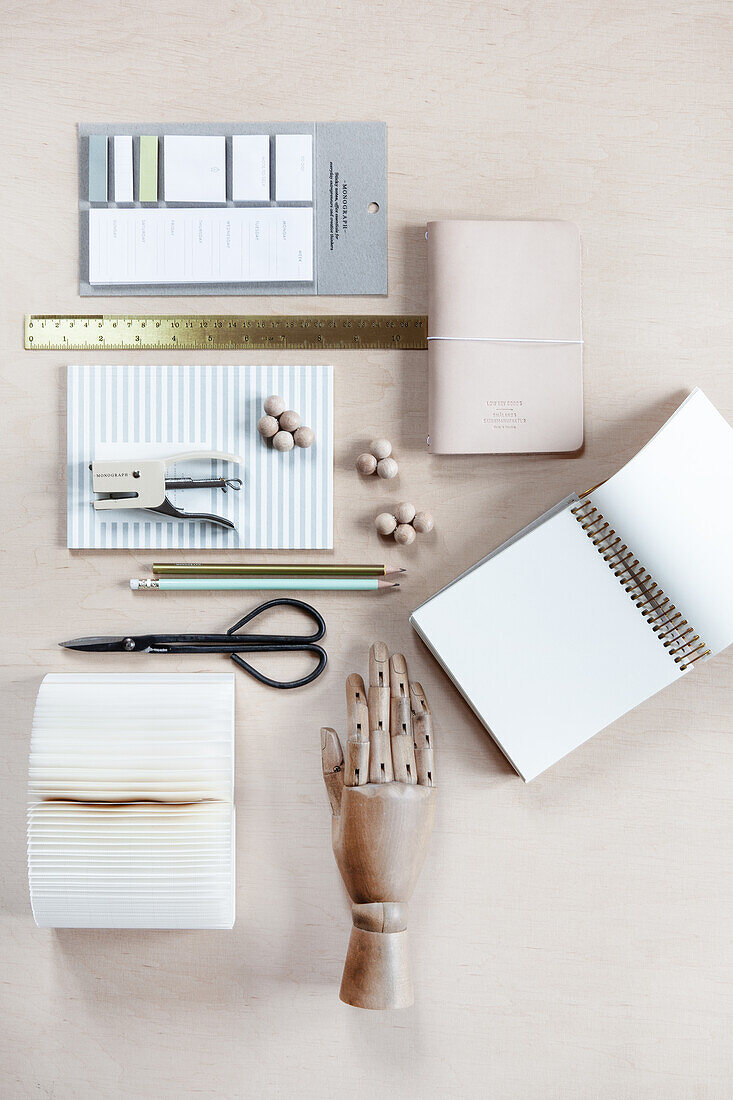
point(571, 938)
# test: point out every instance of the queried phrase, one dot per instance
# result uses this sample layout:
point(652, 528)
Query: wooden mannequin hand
point(382, 797)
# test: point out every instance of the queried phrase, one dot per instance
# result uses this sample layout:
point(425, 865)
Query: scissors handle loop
point(302, 647)
point(296, 643)
point(285, 601)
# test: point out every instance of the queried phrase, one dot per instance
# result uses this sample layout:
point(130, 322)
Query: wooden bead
point(423, 522)
point(267, 426)
point(404, 534)
point(283, 441)
point(274, 405)
point(290, 420)
point(366, 464)
point(380, 448)
point(385, 523)
point(405, 513)
point(387, 468)
point(304, 437)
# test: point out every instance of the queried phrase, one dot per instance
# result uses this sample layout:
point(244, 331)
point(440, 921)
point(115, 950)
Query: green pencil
point(254, 584)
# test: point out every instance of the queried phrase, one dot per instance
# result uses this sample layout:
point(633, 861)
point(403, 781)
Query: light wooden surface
point(571, 938)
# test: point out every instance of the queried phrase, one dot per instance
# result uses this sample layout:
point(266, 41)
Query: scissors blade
point(104, 644)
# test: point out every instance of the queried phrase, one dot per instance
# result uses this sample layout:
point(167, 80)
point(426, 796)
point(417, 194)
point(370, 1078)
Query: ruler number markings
point(151, 332)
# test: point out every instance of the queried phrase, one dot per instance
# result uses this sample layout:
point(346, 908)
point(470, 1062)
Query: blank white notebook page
point(545, 644)
point(672, 504)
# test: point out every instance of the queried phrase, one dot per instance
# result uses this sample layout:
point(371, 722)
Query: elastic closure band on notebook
point(502, 340)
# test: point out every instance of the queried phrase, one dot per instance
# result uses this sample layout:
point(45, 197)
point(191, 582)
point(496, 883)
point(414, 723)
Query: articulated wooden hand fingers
point(380, 754)
point(356, 772)
point(332, 759)
point(403, 747)
point(422, 728)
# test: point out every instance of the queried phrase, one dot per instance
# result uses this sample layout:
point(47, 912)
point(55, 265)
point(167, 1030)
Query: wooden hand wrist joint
point(380, 916)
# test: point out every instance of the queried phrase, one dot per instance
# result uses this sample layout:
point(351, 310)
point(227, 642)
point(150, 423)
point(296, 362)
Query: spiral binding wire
point(668, 623)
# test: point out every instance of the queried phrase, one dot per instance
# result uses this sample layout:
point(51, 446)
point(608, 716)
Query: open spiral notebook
point(602, 602)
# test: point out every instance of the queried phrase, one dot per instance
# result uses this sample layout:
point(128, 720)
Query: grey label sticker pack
point(233, 208)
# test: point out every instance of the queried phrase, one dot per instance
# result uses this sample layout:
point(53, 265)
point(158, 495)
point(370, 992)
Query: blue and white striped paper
point(286, 501)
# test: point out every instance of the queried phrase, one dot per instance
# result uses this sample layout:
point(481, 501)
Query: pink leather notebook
point(505, 344)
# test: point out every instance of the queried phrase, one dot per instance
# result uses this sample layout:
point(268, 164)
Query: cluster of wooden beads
point(377, 460)
point(404, 523)
point(283, 426)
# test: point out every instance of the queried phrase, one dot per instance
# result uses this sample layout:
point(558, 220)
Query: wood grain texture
point(380, 829)
point(578, 928)
point(380, 840)
point(389, 954)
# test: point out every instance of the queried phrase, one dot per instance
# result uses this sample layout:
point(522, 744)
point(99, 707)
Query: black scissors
point(231, 643)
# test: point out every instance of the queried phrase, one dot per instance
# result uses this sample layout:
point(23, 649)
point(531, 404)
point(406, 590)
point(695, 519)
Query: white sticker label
point(294, 168)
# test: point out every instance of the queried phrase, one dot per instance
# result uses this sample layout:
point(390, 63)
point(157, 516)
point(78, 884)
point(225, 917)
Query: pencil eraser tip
point(134, 585)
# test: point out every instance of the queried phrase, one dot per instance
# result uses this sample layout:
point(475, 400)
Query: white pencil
point(256, 584)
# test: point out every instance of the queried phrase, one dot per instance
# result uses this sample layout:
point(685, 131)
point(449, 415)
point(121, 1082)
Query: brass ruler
point(224, 331)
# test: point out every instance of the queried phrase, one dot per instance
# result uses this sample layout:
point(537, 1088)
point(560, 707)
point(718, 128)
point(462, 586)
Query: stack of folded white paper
point(131, 814)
